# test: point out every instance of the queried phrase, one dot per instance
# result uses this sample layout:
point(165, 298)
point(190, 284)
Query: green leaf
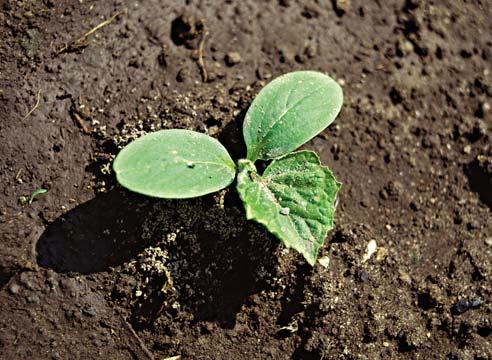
point(289, 111)
point(294, 199)
point(174, 164)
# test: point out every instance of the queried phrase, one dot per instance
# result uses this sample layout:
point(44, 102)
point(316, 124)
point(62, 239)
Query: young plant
point(295, 196)
point(24, 200)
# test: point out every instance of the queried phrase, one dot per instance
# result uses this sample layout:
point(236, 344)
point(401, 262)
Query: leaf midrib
point(275, 122)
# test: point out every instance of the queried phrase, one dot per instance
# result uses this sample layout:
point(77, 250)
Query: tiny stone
point(488, 241)
point(190, 164)
point(232, 58)
point(407, 47)
point(33, 299)
point(461, 306)
point(467, 149)
point(381, 254)
point(341, 6)
point(371, 249)
point(324, 261)
point(285, 211)
point(89, 311)
point(403, 276)
point(183, 75)
point(362, 275)
point(476, 303)
point(138, 293)
point(14, 289)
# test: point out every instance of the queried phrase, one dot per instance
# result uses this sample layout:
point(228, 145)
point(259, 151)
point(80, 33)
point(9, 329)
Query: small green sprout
point(295, 196)
point(23, 200)
point(35, 194)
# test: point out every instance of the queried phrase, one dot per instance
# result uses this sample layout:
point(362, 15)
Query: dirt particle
point(162, 60)
point(395, 96)
point(186, 30)
point(183, 75)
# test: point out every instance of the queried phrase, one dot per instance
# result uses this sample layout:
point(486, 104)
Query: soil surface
point(91, 271)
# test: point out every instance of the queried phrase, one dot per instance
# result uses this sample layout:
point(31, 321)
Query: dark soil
point(90, 271)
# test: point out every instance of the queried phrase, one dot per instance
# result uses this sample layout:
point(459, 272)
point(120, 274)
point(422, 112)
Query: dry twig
point(81, 123)
point(137, 338)
point(201, 64)
point(82, 41)
point(38, 97)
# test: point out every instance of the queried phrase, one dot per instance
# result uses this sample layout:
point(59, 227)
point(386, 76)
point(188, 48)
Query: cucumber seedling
point(295, 196)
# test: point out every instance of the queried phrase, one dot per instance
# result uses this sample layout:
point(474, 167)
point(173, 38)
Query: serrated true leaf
point(294, 199)
point(174, 164)
point(289, 111)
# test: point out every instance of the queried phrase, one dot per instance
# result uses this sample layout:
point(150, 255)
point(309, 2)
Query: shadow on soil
point(479, 175)
point(96, 235)
point(214, 270)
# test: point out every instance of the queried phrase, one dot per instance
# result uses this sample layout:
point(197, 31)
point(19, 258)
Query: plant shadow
point(215, 257)
point(95, 235)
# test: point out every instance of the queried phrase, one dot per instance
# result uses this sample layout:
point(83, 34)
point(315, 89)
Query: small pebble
point(33, 299)
point(324, 261)
point(488, 241)
point(381, 254)
point(407, 47)
point(232, 58)
point(285, 211)
point(341, 6)
point(405, 277)
point(463, 305)
point(190, 165)
point(371, 249)
point(362, 275)
point(14, 289)
point(89, 311)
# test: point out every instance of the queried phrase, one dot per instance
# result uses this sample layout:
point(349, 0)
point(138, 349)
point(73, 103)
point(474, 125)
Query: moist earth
point(89, 270)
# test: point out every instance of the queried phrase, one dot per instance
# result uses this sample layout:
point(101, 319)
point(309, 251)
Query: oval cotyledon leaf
point(174, 164)
point(294, 199)
point(289, 111)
